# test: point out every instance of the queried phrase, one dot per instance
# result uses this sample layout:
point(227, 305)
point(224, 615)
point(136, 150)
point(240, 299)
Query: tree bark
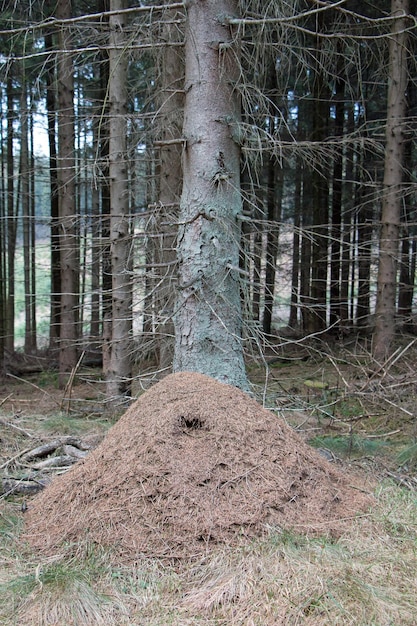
point(119, 376)
point(336, 221)
point(30, 335)
point(392, 184)
point(320, 195)
point(275, 182)
point(67, 219)
point(51, 106)
point(11, 217)
point(208, 317)
point(171, 98)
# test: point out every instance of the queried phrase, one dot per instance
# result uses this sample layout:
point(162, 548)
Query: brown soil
point(192, 462)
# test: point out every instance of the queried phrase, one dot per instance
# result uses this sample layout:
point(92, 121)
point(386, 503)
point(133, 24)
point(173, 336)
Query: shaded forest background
point(92, 97)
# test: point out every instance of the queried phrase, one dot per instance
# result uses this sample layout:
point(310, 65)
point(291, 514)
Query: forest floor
point(295, 506)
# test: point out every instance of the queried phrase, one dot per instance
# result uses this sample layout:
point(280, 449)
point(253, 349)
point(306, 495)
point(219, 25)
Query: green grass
point(43, 290)
point(408, 457)
point(350, 445)
point(61, 423)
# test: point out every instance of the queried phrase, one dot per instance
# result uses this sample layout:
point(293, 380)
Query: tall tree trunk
point(305, 121)
point(32, 235)
point(68, 244)
point(275, 181)
point(119, 376)
point(11, 216)
point(100, 190)
point(274, 204)
point(51, 106)
point(30, 347)
point(408, 242)
point(3, 247)
point(171, 96)
point(293, 321)
point(104, 159)
point(364, 220)
point(336, 225)
point(208, 317)
point(320, 194)
point(392, 184)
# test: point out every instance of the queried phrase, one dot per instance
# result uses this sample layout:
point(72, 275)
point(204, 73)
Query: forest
point(191, 194)
point(296, 160)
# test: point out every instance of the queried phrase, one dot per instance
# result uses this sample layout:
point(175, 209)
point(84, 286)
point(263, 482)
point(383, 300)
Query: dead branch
point(27, 486)
point(50, 447)
point(63, 460)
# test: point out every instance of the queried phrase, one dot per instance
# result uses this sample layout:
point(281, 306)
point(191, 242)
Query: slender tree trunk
point(100, 139)
point(3, 257)
point(32, 235)
point(362, 226)
point(257, 259)
point(275, 181)
point(26, 218)
point(51, 106)
point(407, 252)
point(119, 376)
point(171, 96)
point(67, 218)
point(95, 252)
point(274, 204)
point(208, 318)
point(305, 113)
point(104, 159)
point(320, 193)
point(336, 225)
point(11, 217)
point(293, 321)
point(392, 184)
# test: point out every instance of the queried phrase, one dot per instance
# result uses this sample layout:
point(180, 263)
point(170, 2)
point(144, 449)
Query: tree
point(392, 184)
point(208, 316)
point(120, 369)
point(51, 108)
point(170, 99)
point(11, 213)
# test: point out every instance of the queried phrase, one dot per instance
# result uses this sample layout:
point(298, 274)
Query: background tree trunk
point(27, 222)
point(171, 98)
point(51, 106)
point(11, 216)
point(393, 177)
point(119, 376)
point(68, 241)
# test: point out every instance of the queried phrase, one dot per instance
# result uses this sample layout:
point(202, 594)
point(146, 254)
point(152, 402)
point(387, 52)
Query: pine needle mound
point(193, 461)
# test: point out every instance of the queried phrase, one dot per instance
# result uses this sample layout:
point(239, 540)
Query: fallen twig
point(5, 399)
point(23, 380)
point(14, 458)
point(18, 428)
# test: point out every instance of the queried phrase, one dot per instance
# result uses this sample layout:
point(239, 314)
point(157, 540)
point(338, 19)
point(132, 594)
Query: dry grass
point(368, 576)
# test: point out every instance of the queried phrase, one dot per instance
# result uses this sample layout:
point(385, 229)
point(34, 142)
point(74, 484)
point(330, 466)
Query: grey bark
point(208, 316)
